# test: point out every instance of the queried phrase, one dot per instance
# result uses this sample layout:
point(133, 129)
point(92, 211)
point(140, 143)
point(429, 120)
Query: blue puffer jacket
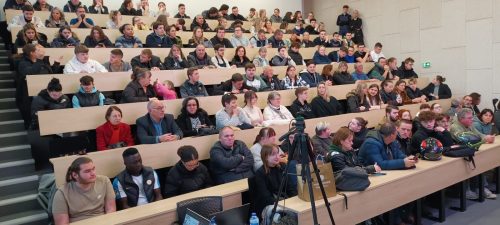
point(321, 59)
point(373, 150)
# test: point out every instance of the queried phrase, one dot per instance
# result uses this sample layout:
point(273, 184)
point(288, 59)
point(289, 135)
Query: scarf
point(277, 111)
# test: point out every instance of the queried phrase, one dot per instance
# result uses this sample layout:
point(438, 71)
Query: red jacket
point(105, 131)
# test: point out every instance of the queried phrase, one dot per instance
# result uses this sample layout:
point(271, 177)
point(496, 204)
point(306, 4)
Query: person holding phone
point(81, 21)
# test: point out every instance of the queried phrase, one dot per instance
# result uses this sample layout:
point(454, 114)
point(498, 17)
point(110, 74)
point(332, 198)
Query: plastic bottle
point(254, 220)
point(212, 221)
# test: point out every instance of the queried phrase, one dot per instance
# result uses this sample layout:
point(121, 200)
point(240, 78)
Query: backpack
point(463, 151)
point(46, 190)
point(470, 139)
point(352, 179)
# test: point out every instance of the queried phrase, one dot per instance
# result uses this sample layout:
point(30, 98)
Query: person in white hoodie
point(275, 113)
point(80, 63)
point(26, 17)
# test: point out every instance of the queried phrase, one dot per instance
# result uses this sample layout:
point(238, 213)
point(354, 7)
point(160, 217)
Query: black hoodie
point(43, 101)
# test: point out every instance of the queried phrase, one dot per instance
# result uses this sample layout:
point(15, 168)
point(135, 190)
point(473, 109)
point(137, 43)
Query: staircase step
point(7, 83)
point(7, 103)
point(14, 153)
point(30, 217)
point(17, 168)
point(11, 126)
point(18, 203)
point(3, 58)
point(18, 185)
point(4, 66)
point(13, 139)
point(7, 93)
point(7, 75)
point(10, 114)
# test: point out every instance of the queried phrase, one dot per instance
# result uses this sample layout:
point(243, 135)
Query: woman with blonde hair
point(198, 38)
point(356, 99)
point(56, 19)
point(115, 20)
point(252, 109)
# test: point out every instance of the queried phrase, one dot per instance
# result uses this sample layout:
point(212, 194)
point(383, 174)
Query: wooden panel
point(117, 81)
point(163, 155)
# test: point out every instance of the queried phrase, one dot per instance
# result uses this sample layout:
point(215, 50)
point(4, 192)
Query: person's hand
point(362, 108)
point(245, 90)
point(410, 161)
point(439, 129)
point(377, 168)
point(233, 67)
point(386, 68)
point(155, 69)
point(489, 139)
point(59, 59)
point(235, 91)
point(150, 99)
point(136, 45)
point(328, 83)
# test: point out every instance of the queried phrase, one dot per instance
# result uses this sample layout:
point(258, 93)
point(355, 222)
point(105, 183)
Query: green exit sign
point(426, 65)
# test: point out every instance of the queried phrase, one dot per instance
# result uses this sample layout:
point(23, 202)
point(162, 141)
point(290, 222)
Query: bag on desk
point(352, 179)
point(463, 151)
point(326, 174)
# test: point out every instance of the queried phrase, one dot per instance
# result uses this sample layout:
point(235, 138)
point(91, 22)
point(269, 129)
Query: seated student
point(172, 35)
point(98, 7)
point(181, 12)
point(277, 39)
point(230, 159)
point(338, 56)
point(231, 114)
point(464, 123)
point(356, 99)
point(275, 113)
point(187, 175)
point(116, 63)
point(193, 86)
point(437, 89)
point(235, 15)
point(147, 60)
point(429, 128)
point(238, 39)
point(219, 60)
point(193, 119)
point(382, 148)
point(127, 9)
point(401, 91)
point(235, 85)
point(97, 39)
point(158, 38)
point(157, 126)
point(65, 39)
point(306, 41)
point(363, 54)
point(252, 109)
point(200, 22)
point(373, 97)
point(336, 41)
point(272, 81)
point(300, 106)
point(295, 55)
point(291, 80)
point(269, 177)
point(260, 59)
point(380, 70)
point(81, 21)
point(404, 128)
point(342, 153)
point(259, 40)
point(310, 76)
point(322, 139)
point(320, 56)
point(56, 19)
point(42, 5)
point(48, 99)
point(405, 71)
point(404, 114)
point(219, 38)
point(80, 63)
point(322, 39)
point(87, 95)
point(140, 88)
point(29, 35)
point(175, 59)
point(391, 115)
point(165, 90)
point(341, 76)
point(484, 122)
point(84, 195)
point(240, 58)
point(73, 5)
point(25, 18)
point(199, 58)
point(137, 184)
point(388, 95)
point(376, 53)
point(414, 93)
point(266, 136)
point(282, 58)
point(138, 24)
point(350, 57)
point(253, 80)
point(358, 127)
point(324, 104)
point(113, 133)
point(127, 40)
point(359, 74)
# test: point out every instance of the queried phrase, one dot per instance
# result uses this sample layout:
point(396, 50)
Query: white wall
point(194, 7)
point(461, 38)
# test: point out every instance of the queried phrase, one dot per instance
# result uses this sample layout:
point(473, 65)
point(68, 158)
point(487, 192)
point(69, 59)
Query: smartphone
point(379, 174)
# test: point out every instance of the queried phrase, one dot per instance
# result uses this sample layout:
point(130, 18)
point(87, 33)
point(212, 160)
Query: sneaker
point(471, 195)
point(488, 194)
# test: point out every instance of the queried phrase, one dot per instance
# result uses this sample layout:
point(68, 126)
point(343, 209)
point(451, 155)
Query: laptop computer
point(193, 218)
point(235, 216)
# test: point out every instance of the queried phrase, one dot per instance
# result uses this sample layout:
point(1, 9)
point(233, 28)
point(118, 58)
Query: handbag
point(326, 173)
point(463, 151)
point(352, 179)
point(207, 131)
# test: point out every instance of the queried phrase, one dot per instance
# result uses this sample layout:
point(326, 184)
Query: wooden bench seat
point(117, 81)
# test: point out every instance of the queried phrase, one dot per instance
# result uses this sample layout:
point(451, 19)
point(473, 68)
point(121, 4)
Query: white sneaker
point(488, 194)
point(471, 195)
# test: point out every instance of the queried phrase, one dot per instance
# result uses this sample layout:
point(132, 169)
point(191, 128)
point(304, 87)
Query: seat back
point(205, 206)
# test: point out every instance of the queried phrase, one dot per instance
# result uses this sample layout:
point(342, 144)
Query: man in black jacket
point(156, 126)
point(137, 184)
point(272, 81)
point(147, 60)
point(219, 38)
point(427, 128)
point(235, 15)
point(404, 136)
point(235, 85)
point(276, 40)
point(406, 70)
point(192, 86)
point(230, 159)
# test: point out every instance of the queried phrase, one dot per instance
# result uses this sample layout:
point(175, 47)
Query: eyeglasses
point(191, 165)
point(159, 108)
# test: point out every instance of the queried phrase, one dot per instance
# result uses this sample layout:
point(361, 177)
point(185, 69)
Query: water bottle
point(212, 221)
point(254, 220)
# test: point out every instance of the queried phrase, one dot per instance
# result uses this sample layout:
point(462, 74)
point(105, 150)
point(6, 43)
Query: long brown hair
point(264, 132)
point(265, 152)
point(30, 26)
point(341, 134)
point(376, 98)
point(75, 167)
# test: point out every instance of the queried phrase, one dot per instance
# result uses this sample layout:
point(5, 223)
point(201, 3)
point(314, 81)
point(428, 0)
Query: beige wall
point(461, 38)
